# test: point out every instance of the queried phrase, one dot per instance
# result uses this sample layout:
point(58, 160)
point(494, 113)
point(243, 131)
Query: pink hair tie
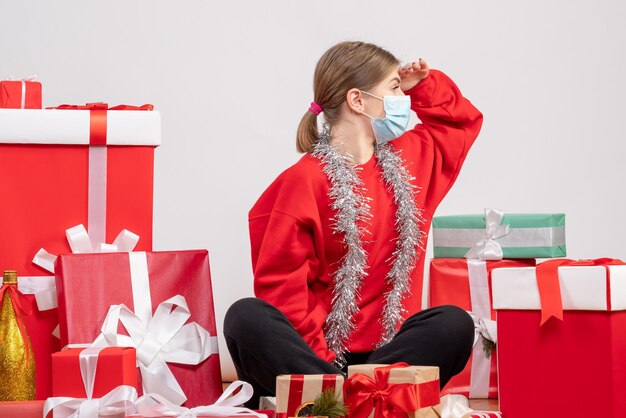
point(315, 108)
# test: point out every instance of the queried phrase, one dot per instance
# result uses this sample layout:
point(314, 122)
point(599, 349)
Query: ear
point(354, 100)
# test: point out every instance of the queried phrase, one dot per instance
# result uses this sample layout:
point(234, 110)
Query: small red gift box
point(18, 94)
point(156, 288)
point(295, 390)
point(572, 367)
point(467, 284)
point(115, 366)
point(52, 179)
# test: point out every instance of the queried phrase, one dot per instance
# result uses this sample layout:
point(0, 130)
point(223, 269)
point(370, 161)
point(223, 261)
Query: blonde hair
point(345, 66)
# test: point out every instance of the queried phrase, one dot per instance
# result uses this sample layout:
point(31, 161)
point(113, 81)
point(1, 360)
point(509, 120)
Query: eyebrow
point(397, 79)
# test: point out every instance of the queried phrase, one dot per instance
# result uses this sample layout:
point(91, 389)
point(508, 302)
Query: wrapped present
point(20, 94)
point(127, 299)
point(296, 391)
point(496, 235)
point(152, 405)
point(88, 383)
point(572, 365)
point(92, 372)
point(392, 391)
point(54, 179)
point(467, 284)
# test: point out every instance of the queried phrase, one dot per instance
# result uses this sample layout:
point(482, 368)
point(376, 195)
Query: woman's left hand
point(412, 73)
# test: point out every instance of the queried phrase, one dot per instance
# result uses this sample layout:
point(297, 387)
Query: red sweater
point(294, 249)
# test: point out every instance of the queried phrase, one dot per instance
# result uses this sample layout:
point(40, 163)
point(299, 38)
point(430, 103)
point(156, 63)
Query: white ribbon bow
point(455, 406)
point(154, 405)
point(121, 400)
point(163, 338)
point(485, 328)
point(488, 248)
point(44, 287)
point(79, 241)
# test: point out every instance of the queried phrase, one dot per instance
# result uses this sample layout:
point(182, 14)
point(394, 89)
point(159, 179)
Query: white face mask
point(397, 113)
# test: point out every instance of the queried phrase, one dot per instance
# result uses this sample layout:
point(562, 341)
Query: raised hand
point(412, 73)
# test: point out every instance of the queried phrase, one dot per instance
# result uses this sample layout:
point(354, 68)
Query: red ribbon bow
point(364, 394)
point(21, 307)
point(102, 106)
point(98, 118)
point(550, 288)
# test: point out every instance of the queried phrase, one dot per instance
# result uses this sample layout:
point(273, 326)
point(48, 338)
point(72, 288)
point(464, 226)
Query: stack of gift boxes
point(466, 250)
point(549, 330)
point(107, 318)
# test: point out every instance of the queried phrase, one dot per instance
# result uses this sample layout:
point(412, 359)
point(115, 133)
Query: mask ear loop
point(373, 95)
point(363, 113)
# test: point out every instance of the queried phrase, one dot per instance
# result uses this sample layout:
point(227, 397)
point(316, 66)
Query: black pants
point(263, 344)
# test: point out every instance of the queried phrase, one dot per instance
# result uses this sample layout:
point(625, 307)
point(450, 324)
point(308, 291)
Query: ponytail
point(307, 132)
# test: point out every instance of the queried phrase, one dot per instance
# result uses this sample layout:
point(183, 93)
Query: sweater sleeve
point(449, 125)
point(285, 264)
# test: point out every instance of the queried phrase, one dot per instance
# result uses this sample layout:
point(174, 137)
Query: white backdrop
point(233, 78)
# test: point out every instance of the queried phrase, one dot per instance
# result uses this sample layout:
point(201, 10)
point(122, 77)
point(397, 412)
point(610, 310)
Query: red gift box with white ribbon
point(561, 339)
point(467, 284)
point(20, 93)
point(161, 303)
point(62, 168)
point(92, 372)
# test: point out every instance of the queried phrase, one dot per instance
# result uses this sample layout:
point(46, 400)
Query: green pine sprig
point(326, 404)
point(488, 347)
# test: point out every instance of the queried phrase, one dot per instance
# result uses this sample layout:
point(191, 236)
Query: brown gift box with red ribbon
point(294, 391)
point(392, 391)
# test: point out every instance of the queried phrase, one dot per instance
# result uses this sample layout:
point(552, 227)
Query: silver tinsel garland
point(351, 208)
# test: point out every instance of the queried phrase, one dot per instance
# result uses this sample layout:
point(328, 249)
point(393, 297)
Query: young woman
point(338, 238)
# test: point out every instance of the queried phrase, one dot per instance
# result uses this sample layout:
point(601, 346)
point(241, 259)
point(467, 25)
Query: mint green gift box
point(534, 235)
